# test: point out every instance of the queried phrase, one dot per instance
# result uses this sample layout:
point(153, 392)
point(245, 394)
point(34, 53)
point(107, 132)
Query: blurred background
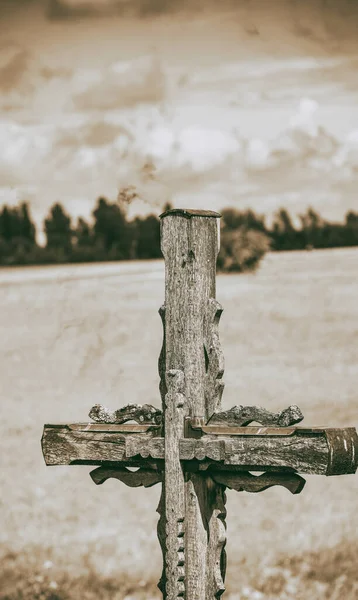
point(242, 102)
point(111, 110)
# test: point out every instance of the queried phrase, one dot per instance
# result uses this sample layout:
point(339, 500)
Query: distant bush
point(242, 249)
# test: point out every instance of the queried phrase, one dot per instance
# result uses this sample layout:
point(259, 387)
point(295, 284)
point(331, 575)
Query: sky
point(246, 103)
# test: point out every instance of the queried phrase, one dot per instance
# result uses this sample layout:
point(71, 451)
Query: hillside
point(75, 336)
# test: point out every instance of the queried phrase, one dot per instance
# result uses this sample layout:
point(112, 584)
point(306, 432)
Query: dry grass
point(289, 335)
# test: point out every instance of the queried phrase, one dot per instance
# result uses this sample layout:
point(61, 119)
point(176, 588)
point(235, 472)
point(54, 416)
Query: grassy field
point(74, 336)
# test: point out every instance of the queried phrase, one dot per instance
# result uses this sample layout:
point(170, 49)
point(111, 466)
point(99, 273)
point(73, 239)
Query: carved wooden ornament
point(190, 446)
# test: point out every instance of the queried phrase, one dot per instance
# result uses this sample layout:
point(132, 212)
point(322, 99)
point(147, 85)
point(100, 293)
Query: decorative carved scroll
point(139, 446)
point(217, 539)
point(214, 358)
point(240, 416)
point(161, 361)
point(145, 413)
point(141, 477)
point(161, 533)
point(212, 505)
point(247, 482)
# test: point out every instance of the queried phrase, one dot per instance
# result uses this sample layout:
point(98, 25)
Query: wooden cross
point(190, 446)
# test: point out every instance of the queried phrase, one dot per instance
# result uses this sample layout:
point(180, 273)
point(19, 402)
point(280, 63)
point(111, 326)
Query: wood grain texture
point(239, 416)
point(303, 451)
point(62, 445)
point(190, 246)
point(174, 414)
point(343, 450)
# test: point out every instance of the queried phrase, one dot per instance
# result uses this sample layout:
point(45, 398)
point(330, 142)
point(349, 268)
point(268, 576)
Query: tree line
point(110, 235)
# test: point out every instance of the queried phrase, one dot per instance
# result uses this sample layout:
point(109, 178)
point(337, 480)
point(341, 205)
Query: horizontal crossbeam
point(312, 451)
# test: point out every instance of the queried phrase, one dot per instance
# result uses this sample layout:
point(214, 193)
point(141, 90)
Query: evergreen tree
point(148, 237)
point(83, 233)
point(59, 232)
point(312, 226)
point(284, 234)
point(10, 223)
point(233, 219)
point(113, 234)
point(5, 224)
point(28, 229)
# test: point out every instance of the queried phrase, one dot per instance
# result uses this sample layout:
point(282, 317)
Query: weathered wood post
point(190, 446)
point(191, 367)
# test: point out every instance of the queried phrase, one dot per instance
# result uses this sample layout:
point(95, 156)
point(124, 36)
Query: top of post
point(188, 213)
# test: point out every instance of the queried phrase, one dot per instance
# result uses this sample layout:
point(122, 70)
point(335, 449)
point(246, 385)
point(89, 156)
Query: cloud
point(14, 62)
point(26, 82)
point(197, 149)
point(203, 149)
point(312, 21)
point(22, 151)
point(94, 133)
point(121, 85)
